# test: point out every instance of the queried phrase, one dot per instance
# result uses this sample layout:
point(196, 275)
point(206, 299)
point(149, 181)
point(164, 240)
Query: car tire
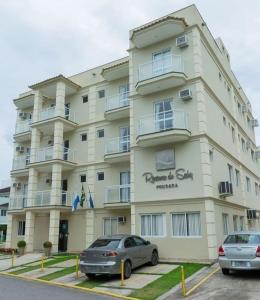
point(154, 258)
point(127, 269)
point(90, 275)
point(225, 271)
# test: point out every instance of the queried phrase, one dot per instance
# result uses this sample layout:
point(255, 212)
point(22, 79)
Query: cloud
point(43, 38)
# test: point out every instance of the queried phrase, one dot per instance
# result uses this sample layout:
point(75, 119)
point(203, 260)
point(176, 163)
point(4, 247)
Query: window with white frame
point(242, 223)
point(152, 225)
point(230, 173)
point(233, 133)
point(21, 228)
point(186, 224)
point(225, 224)
point(256, 189)
point(248, 184)
point(110, 226)
point(243, 145)
point(235, 222)
point(237, 178)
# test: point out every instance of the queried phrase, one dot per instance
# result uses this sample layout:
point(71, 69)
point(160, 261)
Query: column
point(90, 224)
point(29, 230)
point(54, 229)
point(35, 144)
point(133, 219)
point(37, 105)
point(197, 53)
point(58, 140)
point(8, 243)
point(60, 99)
point(56, 184)
point(32, 186)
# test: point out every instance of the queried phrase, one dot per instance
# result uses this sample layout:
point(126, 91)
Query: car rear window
point(251, 239)
point(106, 243)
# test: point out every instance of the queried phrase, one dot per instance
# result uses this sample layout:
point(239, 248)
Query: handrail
point(117, 193)
point(117, 101)
point(118, 145)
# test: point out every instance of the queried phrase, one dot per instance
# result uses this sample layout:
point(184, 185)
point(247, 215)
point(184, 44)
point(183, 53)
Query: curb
point(83, 289)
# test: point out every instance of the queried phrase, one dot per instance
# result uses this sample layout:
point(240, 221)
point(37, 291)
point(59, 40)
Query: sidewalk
point(25, 259)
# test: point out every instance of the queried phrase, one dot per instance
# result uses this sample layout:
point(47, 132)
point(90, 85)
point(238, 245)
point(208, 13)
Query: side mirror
point(147, 242)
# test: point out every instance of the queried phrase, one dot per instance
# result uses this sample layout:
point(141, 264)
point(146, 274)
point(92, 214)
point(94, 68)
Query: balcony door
point(124, 135)
point(123, 94)
point(67, 111)
point(24, 194)
point(163, 113)
point(64, 189)
point(66, 145)
point(124, 186)
point(161, 62)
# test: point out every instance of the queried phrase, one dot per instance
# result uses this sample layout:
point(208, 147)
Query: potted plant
point(47, 248)
point(21, 246)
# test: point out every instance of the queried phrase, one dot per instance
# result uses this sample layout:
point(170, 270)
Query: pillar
point(32, 186)
point(58, 140)
point(9, 234)
point(90, 225)
point(56, 184)
point(35, 144)
point(37, 105)
point(29, 230)
point(60, 99)
point(54, 229)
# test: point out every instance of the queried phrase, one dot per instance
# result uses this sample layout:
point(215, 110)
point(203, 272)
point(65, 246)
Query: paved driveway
point(238, 286)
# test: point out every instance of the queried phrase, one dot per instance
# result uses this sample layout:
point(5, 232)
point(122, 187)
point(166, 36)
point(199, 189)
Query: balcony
point(116, 71)
point(20, 165)
point(18, 202)
point(163, 128)
point(117, 150)
point(23, 131)
point(43, 199)
point(117, 196)
point(160, 74)
point(117, 107)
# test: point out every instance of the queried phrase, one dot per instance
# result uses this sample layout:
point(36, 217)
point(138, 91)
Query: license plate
point(240, 264)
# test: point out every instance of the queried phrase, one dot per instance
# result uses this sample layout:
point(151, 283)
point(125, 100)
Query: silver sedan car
point(105, 254)
point(240, 251)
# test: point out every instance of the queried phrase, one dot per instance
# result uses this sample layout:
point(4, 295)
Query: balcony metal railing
point(118, 194)
point(117, 101)
point(49, 113)
point(118, 145)
point(23, 126)
point(18, 202)
point(156, 67)
point(21, 162)
point(172, 119)
point(41, 198)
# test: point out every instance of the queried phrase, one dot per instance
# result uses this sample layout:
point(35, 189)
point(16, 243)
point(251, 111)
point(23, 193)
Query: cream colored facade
point(148, 154)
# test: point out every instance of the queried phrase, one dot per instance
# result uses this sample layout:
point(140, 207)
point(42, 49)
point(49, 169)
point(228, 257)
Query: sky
point(43, 38)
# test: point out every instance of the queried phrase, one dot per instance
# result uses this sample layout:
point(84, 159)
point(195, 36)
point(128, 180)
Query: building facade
point(163, 140)
point(4, 202)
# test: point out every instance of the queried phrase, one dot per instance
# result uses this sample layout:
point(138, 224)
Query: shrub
point(47, 244)
point(21, 244)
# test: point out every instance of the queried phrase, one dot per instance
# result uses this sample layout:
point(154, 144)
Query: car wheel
point(155, 258)
point(90, 275)
point(127, 269)
point(225, 271)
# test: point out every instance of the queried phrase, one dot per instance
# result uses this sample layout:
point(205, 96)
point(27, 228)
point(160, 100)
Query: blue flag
point(90, 200)
point(75, 203)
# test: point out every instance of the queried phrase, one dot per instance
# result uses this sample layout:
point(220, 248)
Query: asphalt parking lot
point(239, 285)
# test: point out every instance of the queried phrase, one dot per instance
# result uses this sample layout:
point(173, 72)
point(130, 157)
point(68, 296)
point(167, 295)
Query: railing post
point(122, 267)
point(183, 284)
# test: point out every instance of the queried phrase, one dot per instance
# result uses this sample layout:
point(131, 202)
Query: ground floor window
point(3, 213)
point(21, 228)
point(110, 226)
point(152, 225)
point(225, 224)
point(186, 224)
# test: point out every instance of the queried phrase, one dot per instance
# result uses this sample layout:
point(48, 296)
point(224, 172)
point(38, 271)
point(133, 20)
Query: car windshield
point(251, 239)
point(106, 243)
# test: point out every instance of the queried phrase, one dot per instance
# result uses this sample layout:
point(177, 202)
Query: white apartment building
point(163, 139)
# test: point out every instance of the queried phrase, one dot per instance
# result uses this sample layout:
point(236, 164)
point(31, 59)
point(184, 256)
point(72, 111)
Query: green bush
point(21, 244)
point(47, 244)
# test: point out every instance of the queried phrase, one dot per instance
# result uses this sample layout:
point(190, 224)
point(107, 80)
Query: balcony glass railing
point(156, 67)
point(49, 113)
point(118, 145)
point(166, 120)
point(21, 162)
point(118, 194)
point(41, 198)
point(117, 101)
point(45, 154)
point(67, 198)
point(23, 126)
point(18, 202)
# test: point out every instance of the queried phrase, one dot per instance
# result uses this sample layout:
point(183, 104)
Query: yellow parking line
point(202, 281)
point(84, 289)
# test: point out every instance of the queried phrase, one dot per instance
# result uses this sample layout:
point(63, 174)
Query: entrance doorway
point(63, 235)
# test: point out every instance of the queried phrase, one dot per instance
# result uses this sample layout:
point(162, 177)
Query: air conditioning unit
point(48, 180)
point(19, 149)
point(121, 219)
point(182, 41)
point(185, 94)
point(50, 143)
point(244, 108)
point(225, 189)
point(254, 123)
point(251, 214)
point(23, 115)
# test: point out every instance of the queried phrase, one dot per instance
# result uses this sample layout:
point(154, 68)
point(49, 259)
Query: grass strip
point(59, 273)
point(167, 281)
point(46, 264)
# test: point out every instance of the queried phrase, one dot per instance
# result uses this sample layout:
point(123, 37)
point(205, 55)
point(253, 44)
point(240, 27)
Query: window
point(241, 223)
point(84, 137)
point(253, 155)
point(152, 225)
point(164, 115)
point(243, 145)
point(219, 76)
point(129, 243)
point(83, 178)
point(100, 133)
point(248, 185)
point(235, 223)
point(211, 155)
point(239, 108)
point(248, 122)
point(139, 241)
point(165, 160)
point(110, 226)
point(230, 173)
point(101, 94)
point(233, 134)
point(256, 189)
point(85, 98)
point(224, 120)
point(100, 176)
point(237, 178)
point(3, 213)
point(21, 228)
point(186, 224)
point(225, 224)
